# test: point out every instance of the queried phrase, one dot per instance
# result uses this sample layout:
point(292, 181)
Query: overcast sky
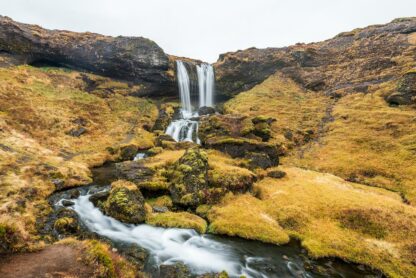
point(204, 29)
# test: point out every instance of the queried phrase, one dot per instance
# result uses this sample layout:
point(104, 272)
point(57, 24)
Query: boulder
point(206, 110)
point(135, 59)
point(66, 225)
point(178, 270)
point(276, 174)
point(125, 203)
point(244, 148)
point(133, 171)
point(406, 90)
point(188, 176)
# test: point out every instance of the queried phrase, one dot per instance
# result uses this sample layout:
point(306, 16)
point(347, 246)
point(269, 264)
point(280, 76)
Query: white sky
point(204, 29)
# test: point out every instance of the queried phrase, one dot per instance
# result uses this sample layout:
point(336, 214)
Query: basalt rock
point(125, 203)
point(133, 171)
point(134, 59)
point(188, 177)
point(347, 63)
point(205, 110)
point(406, 90)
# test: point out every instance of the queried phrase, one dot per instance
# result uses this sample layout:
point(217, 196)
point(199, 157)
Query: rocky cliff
point(134, 59)
point(347, 63)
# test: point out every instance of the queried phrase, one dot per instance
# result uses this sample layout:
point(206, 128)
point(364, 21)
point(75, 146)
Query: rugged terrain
point(338, 116)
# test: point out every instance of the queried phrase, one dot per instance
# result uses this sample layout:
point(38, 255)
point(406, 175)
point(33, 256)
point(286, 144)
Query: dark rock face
point(346, 63)
point(133, 59)
point(276, 174)
point(205, 110)
point(406, 90)
point(133, 171)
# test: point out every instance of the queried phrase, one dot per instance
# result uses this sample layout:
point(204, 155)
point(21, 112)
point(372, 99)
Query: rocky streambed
point(174, 252)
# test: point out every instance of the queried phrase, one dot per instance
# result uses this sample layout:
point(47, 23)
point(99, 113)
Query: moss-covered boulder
point(188, 176)
point(133, 171)
point(125, 202)
point(66, 225)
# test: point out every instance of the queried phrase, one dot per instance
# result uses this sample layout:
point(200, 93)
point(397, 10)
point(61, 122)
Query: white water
point(184, 87)
point(186, 128)
point(206, 82)
point(168, 246)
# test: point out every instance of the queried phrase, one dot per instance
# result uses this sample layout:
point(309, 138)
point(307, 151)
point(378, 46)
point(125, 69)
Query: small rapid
point(201, 253)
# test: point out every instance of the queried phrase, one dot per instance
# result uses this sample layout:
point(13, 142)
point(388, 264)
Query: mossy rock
point(188, 176)
point(183, 220)
point(125, 203)
point(66, 225)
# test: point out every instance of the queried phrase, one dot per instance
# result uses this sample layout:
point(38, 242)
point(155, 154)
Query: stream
point(205, 253)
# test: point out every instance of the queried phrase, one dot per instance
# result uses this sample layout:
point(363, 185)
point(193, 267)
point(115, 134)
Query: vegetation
point(331, 217)
point(39, 107)
point(178, 220)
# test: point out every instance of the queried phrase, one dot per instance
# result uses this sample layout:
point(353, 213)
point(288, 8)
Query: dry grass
point(330, 216)
point(184, 220)
point(295, 110)
point(368, 142)
point(37, 109)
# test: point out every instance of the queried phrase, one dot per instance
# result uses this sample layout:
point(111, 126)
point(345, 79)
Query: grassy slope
point(330, 216)
point(367, 141)
point(37, 108)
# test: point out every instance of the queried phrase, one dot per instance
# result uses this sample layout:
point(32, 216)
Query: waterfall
point(206, 82)
point(184, 87)
point(186, 127)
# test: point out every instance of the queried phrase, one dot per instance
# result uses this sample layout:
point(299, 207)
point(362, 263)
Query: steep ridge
point(134, 59)
point(350, 62)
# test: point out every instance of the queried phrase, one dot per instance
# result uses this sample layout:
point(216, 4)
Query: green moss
point(99, 255)
point(203, 210)
point(178, 220)
point(65, 225)
point(162, 201)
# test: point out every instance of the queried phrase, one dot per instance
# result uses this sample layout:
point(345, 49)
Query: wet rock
point(406, 90)
point(133, 171)
point(77, 131)
point(206, 110)
point(99, 197)
point(177, 270)
point(67, 203)
point(59, 184)
point(188, 176)
point(125, 203)
point(66, 225)
point(128, 152)
point(161, 139)
point(276, 174)
point(134, 59)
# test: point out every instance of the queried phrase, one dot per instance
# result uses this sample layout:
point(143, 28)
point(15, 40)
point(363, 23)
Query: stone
point(99, 197)
point(258, 160)
point(406, 90)
point(206, 110)
point(66, 225)
point(135, 59)
point(125, 203)
point(128, 152)
point(67, 203)
point(133, 171)
point(77, 131)
point(188, 176)
point(178, 270)
point(276, 174)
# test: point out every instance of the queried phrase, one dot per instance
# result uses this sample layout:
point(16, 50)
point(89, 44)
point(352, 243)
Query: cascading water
point(206, 81)
point(186, 127)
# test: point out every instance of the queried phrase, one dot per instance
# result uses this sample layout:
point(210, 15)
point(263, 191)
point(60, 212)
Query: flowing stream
point(185, 128)
point(205, 253)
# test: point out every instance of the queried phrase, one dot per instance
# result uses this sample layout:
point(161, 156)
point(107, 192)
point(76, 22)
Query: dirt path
point(53, 261)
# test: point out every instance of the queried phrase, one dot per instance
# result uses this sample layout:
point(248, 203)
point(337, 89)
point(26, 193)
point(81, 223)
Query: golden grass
point(278, 97)
point(105, 262)
point(37, 109)
point(330, 216)
point(183, 220)
point(368, 142)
